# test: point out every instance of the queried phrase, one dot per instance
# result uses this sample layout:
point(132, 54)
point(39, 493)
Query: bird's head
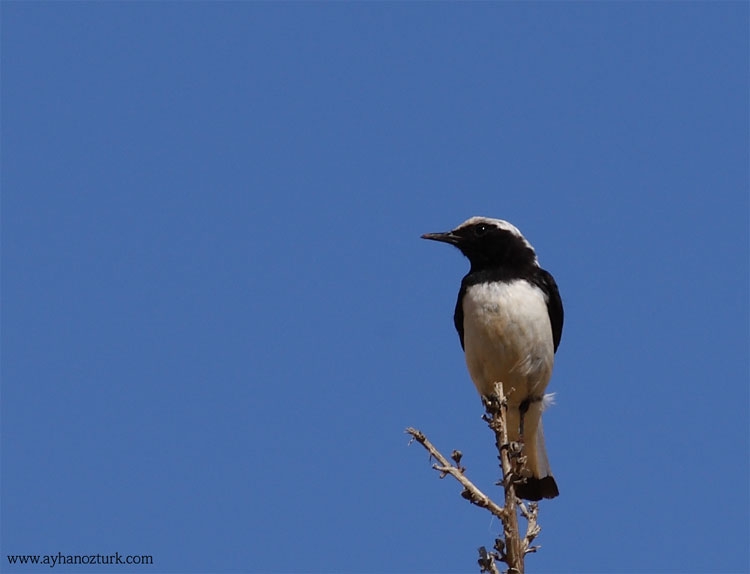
point(488, 243)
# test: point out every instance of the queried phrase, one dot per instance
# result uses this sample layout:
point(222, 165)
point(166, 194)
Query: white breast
point(508, 338)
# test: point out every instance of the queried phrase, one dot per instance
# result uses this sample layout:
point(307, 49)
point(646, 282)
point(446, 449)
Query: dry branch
point(510, 548)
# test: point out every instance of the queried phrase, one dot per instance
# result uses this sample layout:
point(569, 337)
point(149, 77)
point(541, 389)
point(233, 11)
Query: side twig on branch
point(470, 492)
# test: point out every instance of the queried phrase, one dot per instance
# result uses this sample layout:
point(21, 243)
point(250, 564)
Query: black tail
point(537, 488)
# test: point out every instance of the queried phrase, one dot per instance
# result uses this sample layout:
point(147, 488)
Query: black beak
point(447, 237)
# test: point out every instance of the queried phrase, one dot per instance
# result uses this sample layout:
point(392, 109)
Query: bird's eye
point(480, 230)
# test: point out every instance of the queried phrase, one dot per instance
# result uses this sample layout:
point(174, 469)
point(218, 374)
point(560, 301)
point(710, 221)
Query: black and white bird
point(509, 318)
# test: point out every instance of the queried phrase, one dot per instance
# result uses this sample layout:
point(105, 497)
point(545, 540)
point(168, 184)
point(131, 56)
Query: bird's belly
point(508, 339)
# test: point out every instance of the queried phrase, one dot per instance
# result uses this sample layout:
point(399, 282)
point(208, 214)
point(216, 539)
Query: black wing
point(546, 283)
point(458, 314)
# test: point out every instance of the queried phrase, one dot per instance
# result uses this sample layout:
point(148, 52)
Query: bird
point(509, 318)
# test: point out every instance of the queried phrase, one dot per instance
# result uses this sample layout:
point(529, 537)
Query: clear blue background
point(218, 316)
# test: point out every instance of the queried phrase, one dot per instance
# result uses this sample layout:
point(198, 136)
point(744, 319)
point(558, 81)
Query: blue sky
point(218, 316)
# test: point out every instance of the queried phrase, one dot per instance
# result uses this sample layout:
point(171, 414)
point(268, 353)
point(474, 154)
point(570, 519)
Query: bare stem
point(497, 413)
